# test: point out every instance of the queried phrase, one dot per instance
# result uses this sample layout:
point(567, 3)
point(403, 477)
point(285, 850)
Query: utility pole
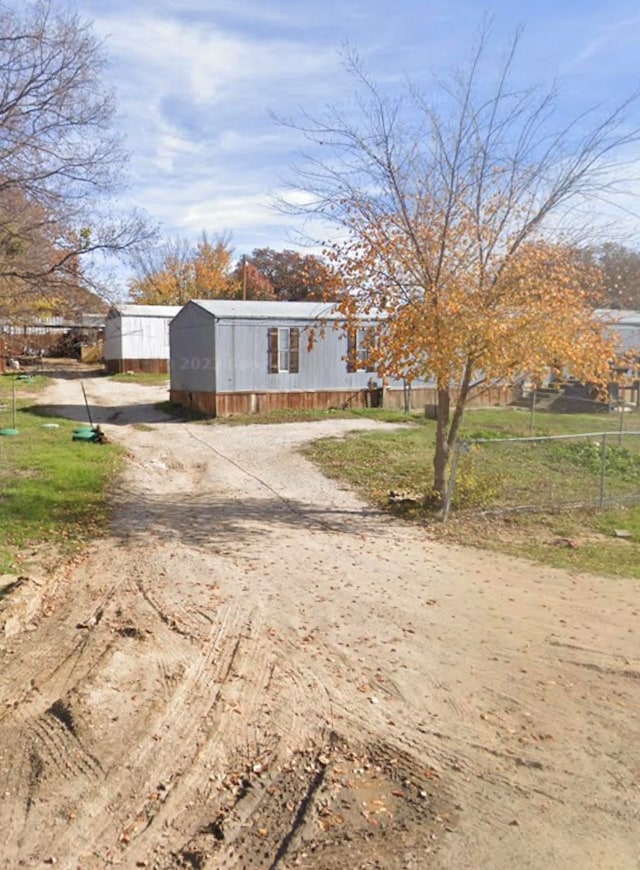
point(244, 277)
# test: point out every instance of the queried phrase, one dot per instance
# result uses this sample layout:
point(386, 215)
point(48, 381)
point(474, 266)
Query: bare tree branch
point(60, 161)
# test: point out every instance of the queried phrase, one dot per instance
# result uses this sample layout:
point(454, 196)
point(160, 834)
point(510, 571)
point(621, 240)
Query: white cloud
point(205, 64)
point(195, 80)
point(609, 34)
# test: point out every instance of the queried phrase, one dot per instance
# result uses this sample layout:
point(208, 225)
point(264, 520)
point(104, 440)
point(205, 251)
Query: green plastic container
point(85, 435)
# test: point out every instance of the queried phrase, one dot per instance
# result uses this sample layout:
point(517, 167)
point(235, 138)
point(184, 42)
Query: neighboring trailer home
point(233, 357)
point(625, 326)
point(136, 338)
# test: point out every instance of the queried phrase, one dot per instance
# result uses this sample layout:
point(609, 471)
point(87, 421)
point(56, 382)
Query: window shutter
point(370, 338)
point(294, 350)
point(351, 351)
point(272, 350)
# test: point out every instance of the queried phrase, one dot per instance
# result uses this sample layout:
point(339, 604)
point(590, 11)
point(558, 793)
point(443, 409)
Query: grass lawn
point(52, 489)
point(493, 476)
point(24, 384)
point(145, 378)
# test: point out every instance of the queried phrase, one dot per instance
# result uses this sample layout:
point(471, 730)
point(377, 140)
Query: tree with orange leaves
point(444, 205)
point(177, 271)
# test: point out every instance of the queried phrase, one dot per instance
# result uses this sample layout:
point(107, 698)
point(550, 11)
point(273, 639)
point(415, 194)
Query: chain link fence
point(545, 473)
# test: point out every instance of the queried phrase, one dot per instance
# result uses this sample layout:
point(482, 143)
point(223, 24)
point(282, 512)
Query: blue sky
point(196, 81)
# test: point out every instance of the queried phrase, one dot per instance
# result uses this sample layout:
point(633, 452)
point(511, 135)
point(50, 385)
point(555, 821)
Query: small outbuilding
point(232, 357)
point(136, 338)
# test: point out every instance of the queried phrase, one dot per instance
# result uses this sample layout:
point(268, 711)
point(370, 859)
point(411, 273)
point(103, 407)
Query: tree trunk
point(461, 404)
point(441, 456)
point(447, 428)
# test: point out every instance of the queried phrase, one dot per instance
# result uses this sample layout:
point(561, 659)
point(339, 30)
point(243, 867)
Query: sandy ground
point(255, 670)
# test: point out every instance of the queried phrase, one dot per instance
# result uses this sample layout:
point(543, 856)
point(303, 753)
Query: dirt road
point(255, 670)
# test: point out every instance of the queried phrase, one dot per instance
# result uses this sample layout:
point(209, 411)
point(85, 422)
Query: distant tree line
point(178, 270)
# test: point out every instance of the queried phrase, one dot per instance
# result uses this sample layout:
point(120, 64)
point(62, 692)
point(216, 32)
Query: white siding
point(138, 332)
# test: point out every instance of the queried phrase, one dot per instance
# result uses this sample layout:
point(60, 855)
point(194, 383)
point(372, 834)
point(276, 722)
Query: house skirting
point(422, 397)
point(150, 366)
point(228, 404)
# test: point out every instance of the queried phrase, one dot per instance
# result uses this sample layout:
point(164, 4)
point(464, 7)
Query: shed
point(136, 338)
point(230, 357)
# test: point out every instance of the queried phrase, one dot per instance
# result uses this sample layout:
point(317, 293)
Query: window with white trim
point(283, 349)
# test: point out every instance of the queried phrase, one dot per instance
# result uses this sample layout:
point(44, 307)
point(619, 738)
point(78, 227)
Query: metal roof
point(255, 310)
point(145, 310)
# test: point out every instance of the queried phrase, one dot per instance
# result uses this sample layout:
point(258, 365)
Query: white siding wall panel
point(113, 337)
point(628, 338)
point(145, 337)
point(230, 354)
point(133, 333)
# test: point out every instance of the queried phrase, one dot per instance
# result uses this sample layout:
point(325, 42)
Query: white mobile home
point(136, 338)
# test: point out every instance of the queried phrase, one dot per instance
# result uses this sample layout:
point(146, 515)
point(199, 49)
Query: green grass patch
point(518, 422)
point(583, 540)
point(144, 378)
point(292, 415)
point(30, 385)
point(52, 489)
point(377, 462)
point(492, 477)
point(591, 456)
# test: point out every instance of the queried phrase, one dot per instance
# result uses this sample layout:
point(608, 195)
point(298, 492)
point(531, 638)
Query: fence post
point(621, 426)
point(451, 484)
point(532, 418)
point(603, 466)
point(406, 395)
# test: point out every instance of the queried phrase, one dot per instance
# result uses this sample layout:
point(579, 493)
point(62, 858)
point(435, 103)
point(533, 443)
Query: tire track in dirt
point(242, 734)
point(177, 723)
point(195, 713)
point(54, 737)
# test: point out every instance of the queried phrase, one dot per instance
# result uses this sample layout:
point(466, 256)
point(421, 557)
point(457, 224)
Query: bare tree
point(163, 273)
point(445, 200)
point(60, 162)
